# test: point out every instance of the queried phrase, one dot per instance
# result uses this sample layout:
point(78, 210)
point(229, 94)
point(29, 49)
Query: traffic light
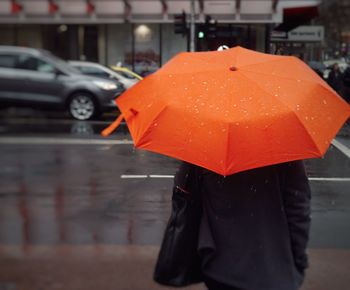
point(180, 24)
point(210, 27)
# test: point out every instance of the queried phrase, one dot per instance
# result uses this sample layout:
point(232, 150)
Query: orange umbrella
point(233, 110)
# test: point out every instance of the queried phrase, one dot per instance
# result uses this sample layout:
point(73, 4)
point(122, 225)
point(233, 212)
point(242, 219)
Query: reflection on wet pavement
point(74, 194)
point(23, 127)
point(68, 221)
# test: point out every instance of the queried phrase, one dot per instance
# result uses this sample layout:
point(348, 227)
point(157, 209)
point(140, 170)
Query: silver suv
point(36, 78)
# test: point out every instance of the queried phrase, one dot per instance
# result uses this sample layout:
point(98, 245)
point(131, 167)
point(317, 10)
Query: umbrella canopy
point(233, 110)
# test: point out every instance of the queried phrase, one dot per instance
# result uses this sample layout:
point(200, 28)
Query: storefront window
point(146, 58)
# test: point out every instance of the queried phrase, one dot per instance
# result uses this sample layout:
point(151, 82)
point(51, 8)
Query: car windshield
point(62, 64)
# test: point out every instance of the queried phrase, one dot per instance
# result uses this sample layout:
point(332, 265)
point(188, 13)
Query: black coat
point(255, 226)
point(335, 80)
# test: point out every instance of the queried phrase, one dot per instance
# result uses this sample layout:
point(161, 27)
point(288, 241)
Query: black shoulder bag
point(178, 262)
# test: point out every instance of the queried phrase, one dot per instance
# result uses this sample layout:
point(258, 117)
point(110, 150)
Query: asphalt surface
point(81, 212)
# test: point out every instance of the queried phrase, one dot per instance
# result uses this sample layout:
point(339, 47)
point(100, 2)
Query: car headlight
point(105, 85)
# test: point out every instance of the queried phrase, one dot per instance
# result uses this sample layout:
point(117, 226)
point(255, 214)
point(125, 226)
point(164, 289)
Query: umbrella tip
point(222, 47)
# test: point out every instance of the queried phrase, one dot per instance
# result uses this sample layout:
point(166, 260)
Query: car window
point(28, 62)
point(93, 71)
point(60, 63)
point(8, 60)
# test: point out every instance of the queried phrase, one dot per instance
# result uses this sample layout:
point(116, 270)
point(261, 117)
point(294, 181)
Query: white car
point(98, 70)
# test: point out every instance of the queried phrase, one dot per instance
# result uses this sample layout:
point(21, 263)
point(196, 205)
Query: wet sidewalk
point(68, 220)
point(113, 267)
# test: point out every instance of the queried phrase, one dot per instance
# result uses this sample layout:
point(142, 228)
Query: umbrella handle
point(106, 132)
point(112, 127)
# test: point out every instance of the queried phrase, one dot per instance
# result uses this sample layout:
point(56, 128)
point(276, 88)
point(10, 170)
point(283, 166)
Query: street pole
point(192, 27)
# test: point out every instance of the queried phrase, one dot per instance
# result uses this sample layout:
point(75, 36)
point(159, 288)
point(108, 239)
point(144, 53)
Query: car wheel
point(82, 106)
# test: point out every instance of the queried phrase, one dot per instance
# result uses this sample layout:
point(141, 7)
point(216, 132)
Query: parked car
point(124, 71)
point(36, 78)
point(98, 70)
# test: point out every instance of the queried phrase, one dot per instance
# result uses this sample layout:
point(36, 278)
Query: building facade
point(137, 33)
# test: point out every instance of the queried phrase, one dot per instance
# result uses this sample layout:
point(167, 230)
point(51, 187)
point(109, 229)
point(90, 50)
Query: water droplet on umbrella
point(170, 76)
point(235, 105)
point(155, 124)
point(186, 88)
point(223, 130)
point(204, 83)
point(306, 118)
point(237, 123)
point(276, 95)
point(325, 102)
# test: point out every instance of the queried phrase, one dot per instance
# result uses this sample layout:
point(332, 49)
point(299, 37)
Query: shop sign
point(313, 33)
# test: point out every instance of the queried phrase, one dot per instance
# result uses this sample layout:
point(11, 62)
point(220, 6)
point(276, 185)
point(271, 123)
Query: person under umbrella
point(254, 227)
point(242, 121)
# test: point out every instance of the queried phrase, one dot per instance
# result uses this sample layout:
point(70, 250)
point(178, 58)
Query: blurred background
point(124, 41)
point(78, 211)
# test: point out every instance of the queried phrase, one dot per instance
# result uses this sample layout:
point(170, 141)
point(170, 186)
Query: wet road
point(81, 212)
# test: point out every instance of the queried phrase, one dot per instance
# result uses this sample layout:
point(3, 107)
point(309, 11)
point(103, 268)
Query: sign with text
point(313, 33)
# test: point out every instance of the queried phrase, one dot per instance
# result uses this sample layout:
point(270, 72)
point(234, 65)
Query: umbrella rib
point(267, 61)
point(281, 101)
point(287, 78)
point(180, 73)
point(149, 125)
point(228, 130)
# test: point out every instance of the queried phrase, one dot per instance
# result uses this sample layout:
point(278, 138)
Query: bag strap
point(187, 179)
